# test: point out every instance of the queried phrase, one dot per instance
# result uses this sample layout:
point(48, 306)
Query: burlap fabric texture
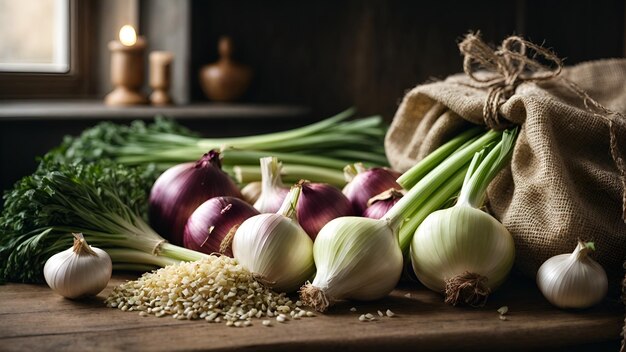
point(564, 182)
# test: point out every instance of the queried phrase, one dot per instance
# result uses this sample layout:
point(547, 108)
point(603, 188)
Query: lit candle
point(126, 68)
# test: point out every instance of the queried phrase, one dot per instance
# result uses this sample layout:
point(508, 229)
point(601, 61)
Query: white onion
point(463, 251)
point(453, 242)
point(356, 258)
point(275, 248)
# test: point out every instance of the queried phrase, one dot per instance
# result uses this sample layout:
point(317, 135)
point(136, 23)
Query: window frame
point(76, 82)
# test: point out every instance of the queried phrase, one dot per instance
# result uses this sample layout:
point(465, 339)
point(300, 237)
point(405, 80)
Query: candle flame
point(128, 36)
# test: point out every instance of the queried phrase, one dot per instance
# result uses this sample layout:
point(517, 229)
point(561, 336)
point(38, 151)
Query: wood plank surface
point(33, 318)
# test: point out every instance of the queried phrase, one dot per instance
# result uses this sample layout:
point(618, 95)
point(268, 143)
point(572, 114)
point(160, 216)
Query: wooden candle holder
point(126, 73)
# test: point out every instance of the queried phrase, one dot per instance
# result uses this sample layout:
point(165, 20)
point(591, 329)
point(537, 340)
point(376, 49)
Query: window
point(34, 36)
point(46, 48)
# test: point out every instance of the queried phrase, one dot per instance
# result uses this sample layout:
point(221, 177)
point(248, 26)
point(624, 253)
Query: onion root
point(467, 288)
point(315, 297)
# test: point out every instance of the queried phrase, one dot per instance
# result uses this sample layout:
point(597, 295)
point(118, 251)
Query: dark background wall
point(333, 54)
point(323, 55)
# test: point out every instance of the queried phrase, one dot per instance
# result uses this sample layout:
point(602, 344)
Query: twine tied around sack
point(510, 65)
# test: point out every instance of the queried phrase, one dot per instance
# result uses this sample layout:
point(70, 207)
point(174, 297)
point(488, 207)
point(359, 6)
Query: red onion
point(273, 192)
point(182, 188)
point(367, 183)
point(380, 204)
point(210, 223)
point(320, 203)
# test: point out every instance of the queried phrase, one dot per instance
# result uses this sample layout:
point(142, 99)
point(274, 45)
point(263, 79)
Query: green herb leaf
point(44, 208)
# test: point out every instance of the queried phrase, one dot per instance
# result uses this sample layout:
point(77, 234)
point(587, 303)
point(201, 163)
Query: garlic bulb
point(78, 271)
point(573, 280)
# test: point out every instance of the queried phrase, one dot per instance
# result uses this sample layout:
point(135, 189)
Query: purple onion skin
point(181, 189)
point(367, 184)
point(318, 204)
point(219, 213)
point(379, 208)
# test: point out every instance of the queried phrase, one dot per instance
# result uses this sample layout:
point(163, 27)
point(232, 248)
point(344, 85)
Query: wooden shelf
point(46, 122)
point(32, 317)
point(96, 110)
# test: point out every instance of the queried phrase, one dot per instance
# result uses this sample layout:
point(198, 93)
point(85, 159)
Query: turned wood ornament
point(225, 80)
point(160, 77)
point(126, 72)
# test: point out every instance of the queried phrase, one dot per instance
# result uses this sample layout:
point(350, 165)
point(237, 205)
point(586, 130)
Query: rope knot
point(510, 65)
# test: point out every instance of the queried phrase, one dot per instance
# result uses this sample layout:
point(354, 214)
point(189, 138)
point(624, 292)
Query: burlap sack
point(563, 183)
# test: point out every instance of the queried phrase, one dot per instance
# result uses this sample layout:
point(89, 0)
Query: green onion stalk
point(434, 186)
point(320, 149)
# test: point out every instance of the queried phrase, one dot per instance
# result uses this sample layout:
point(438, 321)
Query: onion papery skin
point(276, 249)
point(461, 239)
point(210, 223)
point(368, 184)
point(379, 207)
point(318, 204)
point(181, 189)
point(357, 258)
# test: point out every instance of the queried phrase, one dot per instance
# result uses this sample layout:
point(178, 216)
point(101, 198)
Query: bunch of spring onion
point(362, 258)
point(462, 251)
point(316, 152)
point(104, 201)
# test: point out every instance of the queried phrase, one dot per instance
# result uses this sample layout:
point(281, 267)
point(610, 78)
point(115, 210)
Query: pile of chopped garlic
point(216, 289)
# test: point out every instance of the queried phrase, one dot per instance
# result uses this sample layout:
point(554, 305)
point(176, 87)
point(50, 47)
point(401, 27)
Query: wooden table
point(33, 318)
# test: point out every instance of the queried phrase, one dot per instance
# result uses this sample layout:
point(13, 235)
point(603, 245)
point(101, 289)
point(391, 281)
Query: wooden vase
point(225, 80)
